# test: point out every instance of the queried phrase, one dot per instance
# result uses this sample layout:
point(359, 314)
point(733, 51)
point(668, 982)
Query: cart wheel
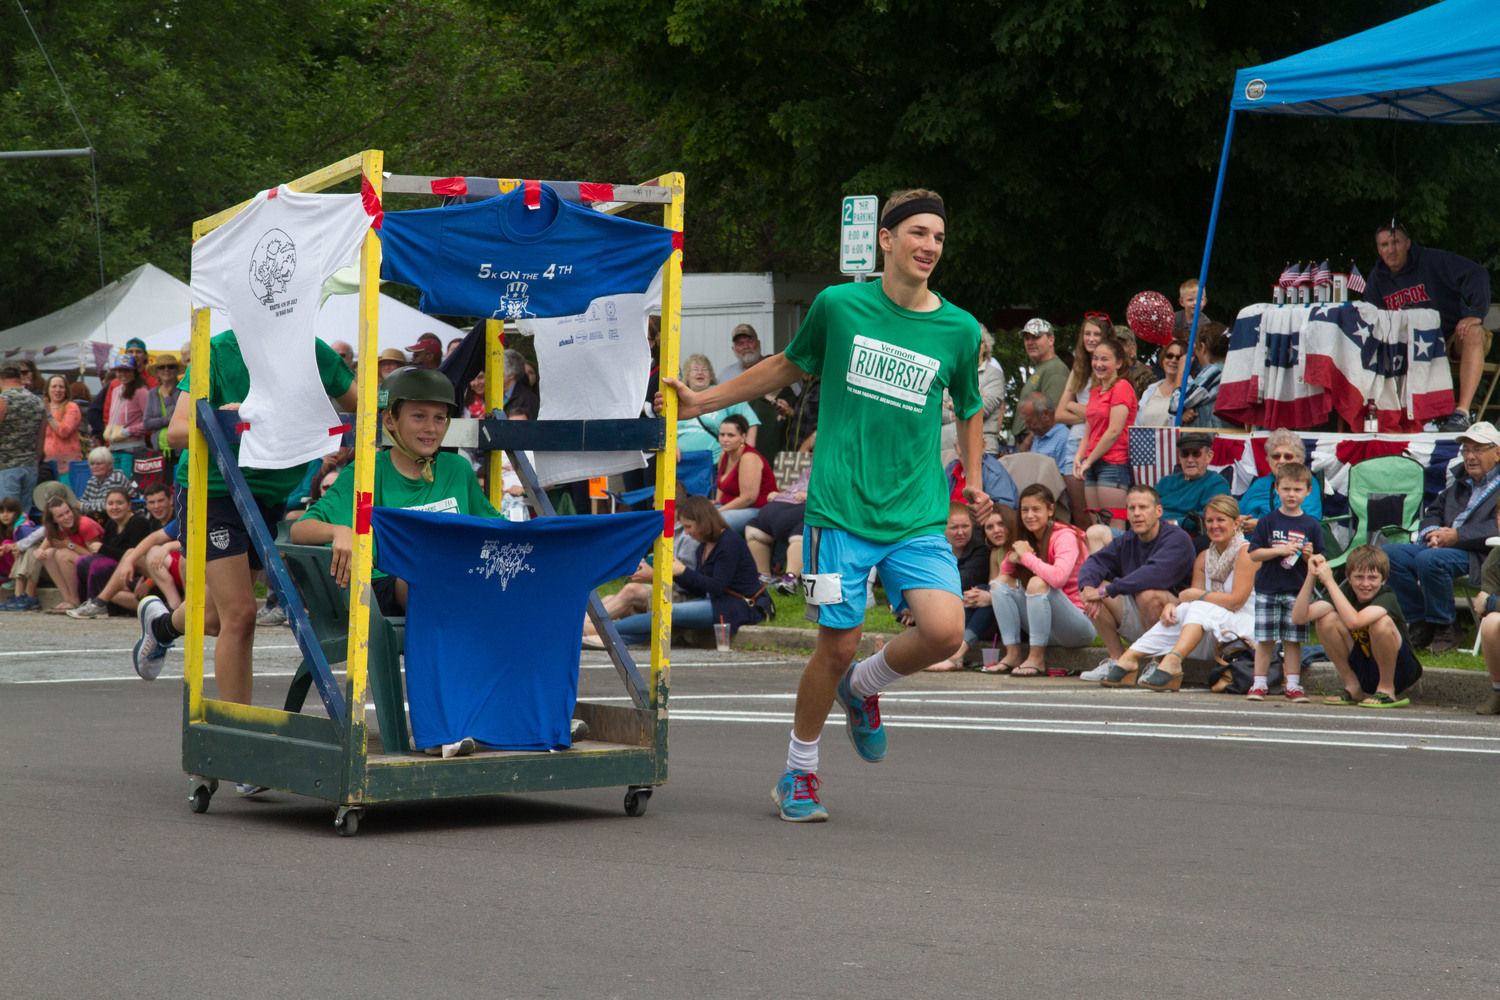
point(200, 793)
point(635, 801)
point(346, 821)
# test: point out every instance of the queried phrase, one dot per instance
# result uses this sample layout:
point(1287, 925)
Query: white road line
point(125, 650)
point(1398, 741)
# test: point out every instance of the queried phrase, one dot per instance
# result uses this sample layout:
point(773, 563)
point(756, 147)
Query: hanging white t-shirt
point(265, 269)
point(593, 366)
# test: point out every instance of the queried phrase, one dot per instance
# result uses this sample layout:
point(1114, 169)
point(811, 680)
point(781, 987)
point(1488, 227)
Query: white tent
point(151, 304)
point(145, 301)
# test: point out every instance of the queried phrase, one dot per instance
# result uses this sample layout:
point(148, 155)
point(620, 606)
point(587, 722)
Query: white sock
point(872, 675)
point(802, 756)
point(1293, 680)
point(1259, 682)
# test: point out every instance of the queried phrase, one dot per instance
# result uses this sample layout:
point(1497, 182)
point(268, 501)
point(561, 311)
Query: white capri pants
point(1218, 623)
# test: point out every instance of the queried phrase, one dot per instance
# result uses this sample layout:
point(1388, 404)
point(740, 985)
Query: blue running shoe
point(149, 653)
point(796, 796)
point(862, 717)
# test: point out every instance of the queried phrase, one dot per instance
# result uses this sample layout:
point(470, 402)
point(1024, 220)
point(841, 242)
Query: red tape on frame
point(533, 194)
point(340, 429)
point(241, 428)
point(676, 241)
point(371, 201)
point(450, 186)
point(364, 504)
point(668, 517)
point(272, 193)
point(596, 192)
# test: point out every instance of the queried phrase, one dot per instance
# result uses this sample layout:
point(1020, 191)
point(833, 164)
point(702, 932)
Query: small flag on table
point(1288, 277)
point(1321, 275)
point(1303, 278)
point(1356, 280)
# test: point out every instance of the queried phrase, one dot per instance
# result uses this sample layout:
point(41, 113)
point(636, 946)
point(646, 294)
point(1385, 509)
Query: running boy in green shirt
point(878, 497)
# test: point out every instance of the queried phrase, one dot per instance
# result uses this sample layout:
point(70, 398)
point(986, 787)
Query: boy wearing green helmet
point(412, 474)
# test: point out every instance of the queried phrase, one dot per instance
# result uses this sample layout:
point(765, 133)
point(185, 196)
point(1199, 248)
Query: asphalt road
point(1024, 839)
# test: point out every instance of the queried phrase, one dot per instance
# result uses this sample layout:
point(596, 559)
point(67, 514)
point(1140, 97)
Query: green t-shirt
point(1385, 597)
point(229, 382)
point(454, 489)
point(877, 469)
point(1050, 378)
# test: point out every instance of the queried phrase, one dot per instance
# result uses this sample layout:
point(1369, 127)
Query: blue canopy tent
point(1441, 64)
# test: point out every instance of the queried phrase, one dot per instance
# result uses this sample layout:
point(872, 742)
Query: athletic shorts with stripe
point(922, 563)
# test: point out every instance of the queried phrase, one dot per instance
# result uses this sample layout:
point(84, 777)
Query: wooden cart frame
point(338, 758)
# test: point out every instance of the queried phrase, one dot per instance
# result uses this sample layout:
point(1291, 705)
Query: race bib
point(823, 588)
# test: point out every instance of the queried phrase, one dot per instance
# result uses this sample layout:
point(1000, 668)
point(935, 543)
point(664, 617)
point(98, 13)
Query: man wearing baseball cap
point(1451, 540)
point(427, 351)
point(1049, 376)
point(745, 343)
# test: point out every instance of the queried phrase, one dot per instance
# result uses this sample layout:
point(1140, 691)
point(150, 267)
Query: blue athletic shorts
point(922, 563)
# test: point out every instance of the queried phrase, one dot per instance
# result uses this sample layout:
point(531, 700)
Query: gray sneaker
point(1098, 673)
point(270, 615)
point(785, 584)
point(149, 653)
point(91, 608)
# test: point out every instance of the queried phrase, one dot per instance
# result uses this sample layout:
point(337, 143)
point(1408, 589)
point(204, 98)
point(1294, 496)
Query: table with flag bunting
point(1291, 366)
point(1240, 457)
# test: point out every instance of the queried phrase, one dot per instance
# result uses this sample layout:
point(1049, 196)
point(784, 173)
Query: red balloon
point(1150, 317)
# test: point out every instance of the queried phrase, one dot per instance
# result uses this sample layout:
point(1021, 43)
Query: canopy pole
point(1208, 250)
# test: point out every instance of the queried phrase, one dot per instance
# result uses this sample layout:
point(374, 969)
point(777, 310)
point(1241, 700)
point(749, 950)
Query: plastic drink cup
point(991, 656)
point(721, 637)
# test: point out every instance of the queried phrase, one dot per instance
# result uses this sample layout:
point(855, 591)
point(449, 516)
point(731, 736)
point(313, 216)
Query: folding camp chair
point(1385, 503)
point(1027, 467)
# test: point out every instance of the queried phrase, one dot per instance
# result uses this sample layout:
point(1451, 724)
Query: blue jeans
point(1049, 619)
point(1108, 474)
point(738, 518)
point(636, 629)
point(19, 482)
point(1423, 578)
point(979, 623)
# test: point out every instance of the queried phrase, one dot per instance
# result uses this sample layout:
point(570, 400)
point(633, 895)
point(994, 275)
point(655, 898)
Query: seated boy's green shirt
point(454, 489)
point(229, 382)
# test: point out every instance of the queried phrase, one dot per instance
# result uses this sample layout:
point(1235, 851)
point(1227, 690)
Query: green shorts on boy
point(1282, 542)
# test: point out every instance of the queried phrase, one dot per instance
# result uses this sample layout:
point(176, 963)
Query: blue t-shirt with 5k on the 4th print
point(502, 259)
point(1273, 529)
point(493, 612)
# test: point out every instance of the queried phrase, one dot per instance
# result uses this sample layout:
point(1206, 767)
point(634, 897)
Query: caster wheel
point(200, 795)
point(346, 822)
point(635, 801)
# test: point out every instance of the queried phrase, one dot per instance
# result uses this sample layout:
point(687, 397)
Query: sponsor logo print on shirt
point(449, 505)
point(272, 265)
point(505, 561)
point(894, 374)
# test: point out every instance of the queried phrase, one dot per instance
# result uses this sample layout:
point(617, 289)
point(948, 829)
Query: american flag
point(1356, 280)
point(1289, 277)
point(1153, 453)
point(1303, 278)
point(1321, 275)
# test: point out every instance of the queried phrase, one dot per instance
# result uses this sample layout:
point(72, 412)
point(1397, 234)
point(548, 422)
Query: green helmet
point(418, 383)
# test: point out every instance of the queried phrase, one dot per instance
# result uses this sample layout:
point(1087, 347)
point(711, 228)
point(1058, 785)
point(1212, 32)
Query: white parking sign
point(857, 236)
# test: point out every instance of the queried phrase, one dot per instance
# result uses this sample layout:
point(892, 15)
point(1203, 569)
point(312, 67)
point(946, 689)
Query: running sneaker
point(1257, 692)
point(1295, 694)
point(27, 604)
point(462, 748)
point(862, 721)
point(247, 790)
point(91, 608)
point(1100, 672)
point(796, 797)
point(785, 584)
point(271, 615)
point(149, 653)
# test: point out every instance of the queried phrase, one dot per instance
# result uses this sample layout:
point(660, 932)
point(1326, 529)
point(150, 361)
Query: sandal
point(945, 666)
point(1342, 698)
point(62, 608)
point(1000, 667)
point(1381, 700)
point(1120, 677)
point(1025, 670)
point(1160, 680)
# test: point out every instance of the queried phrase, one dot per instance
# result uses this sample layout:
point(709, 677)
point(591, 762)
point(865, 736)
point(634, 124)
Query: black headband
point(917, 206)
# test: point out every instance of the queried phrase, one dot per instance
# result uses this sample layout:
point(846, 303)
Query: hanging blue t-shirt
point(493, 615)
point(500, 259)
